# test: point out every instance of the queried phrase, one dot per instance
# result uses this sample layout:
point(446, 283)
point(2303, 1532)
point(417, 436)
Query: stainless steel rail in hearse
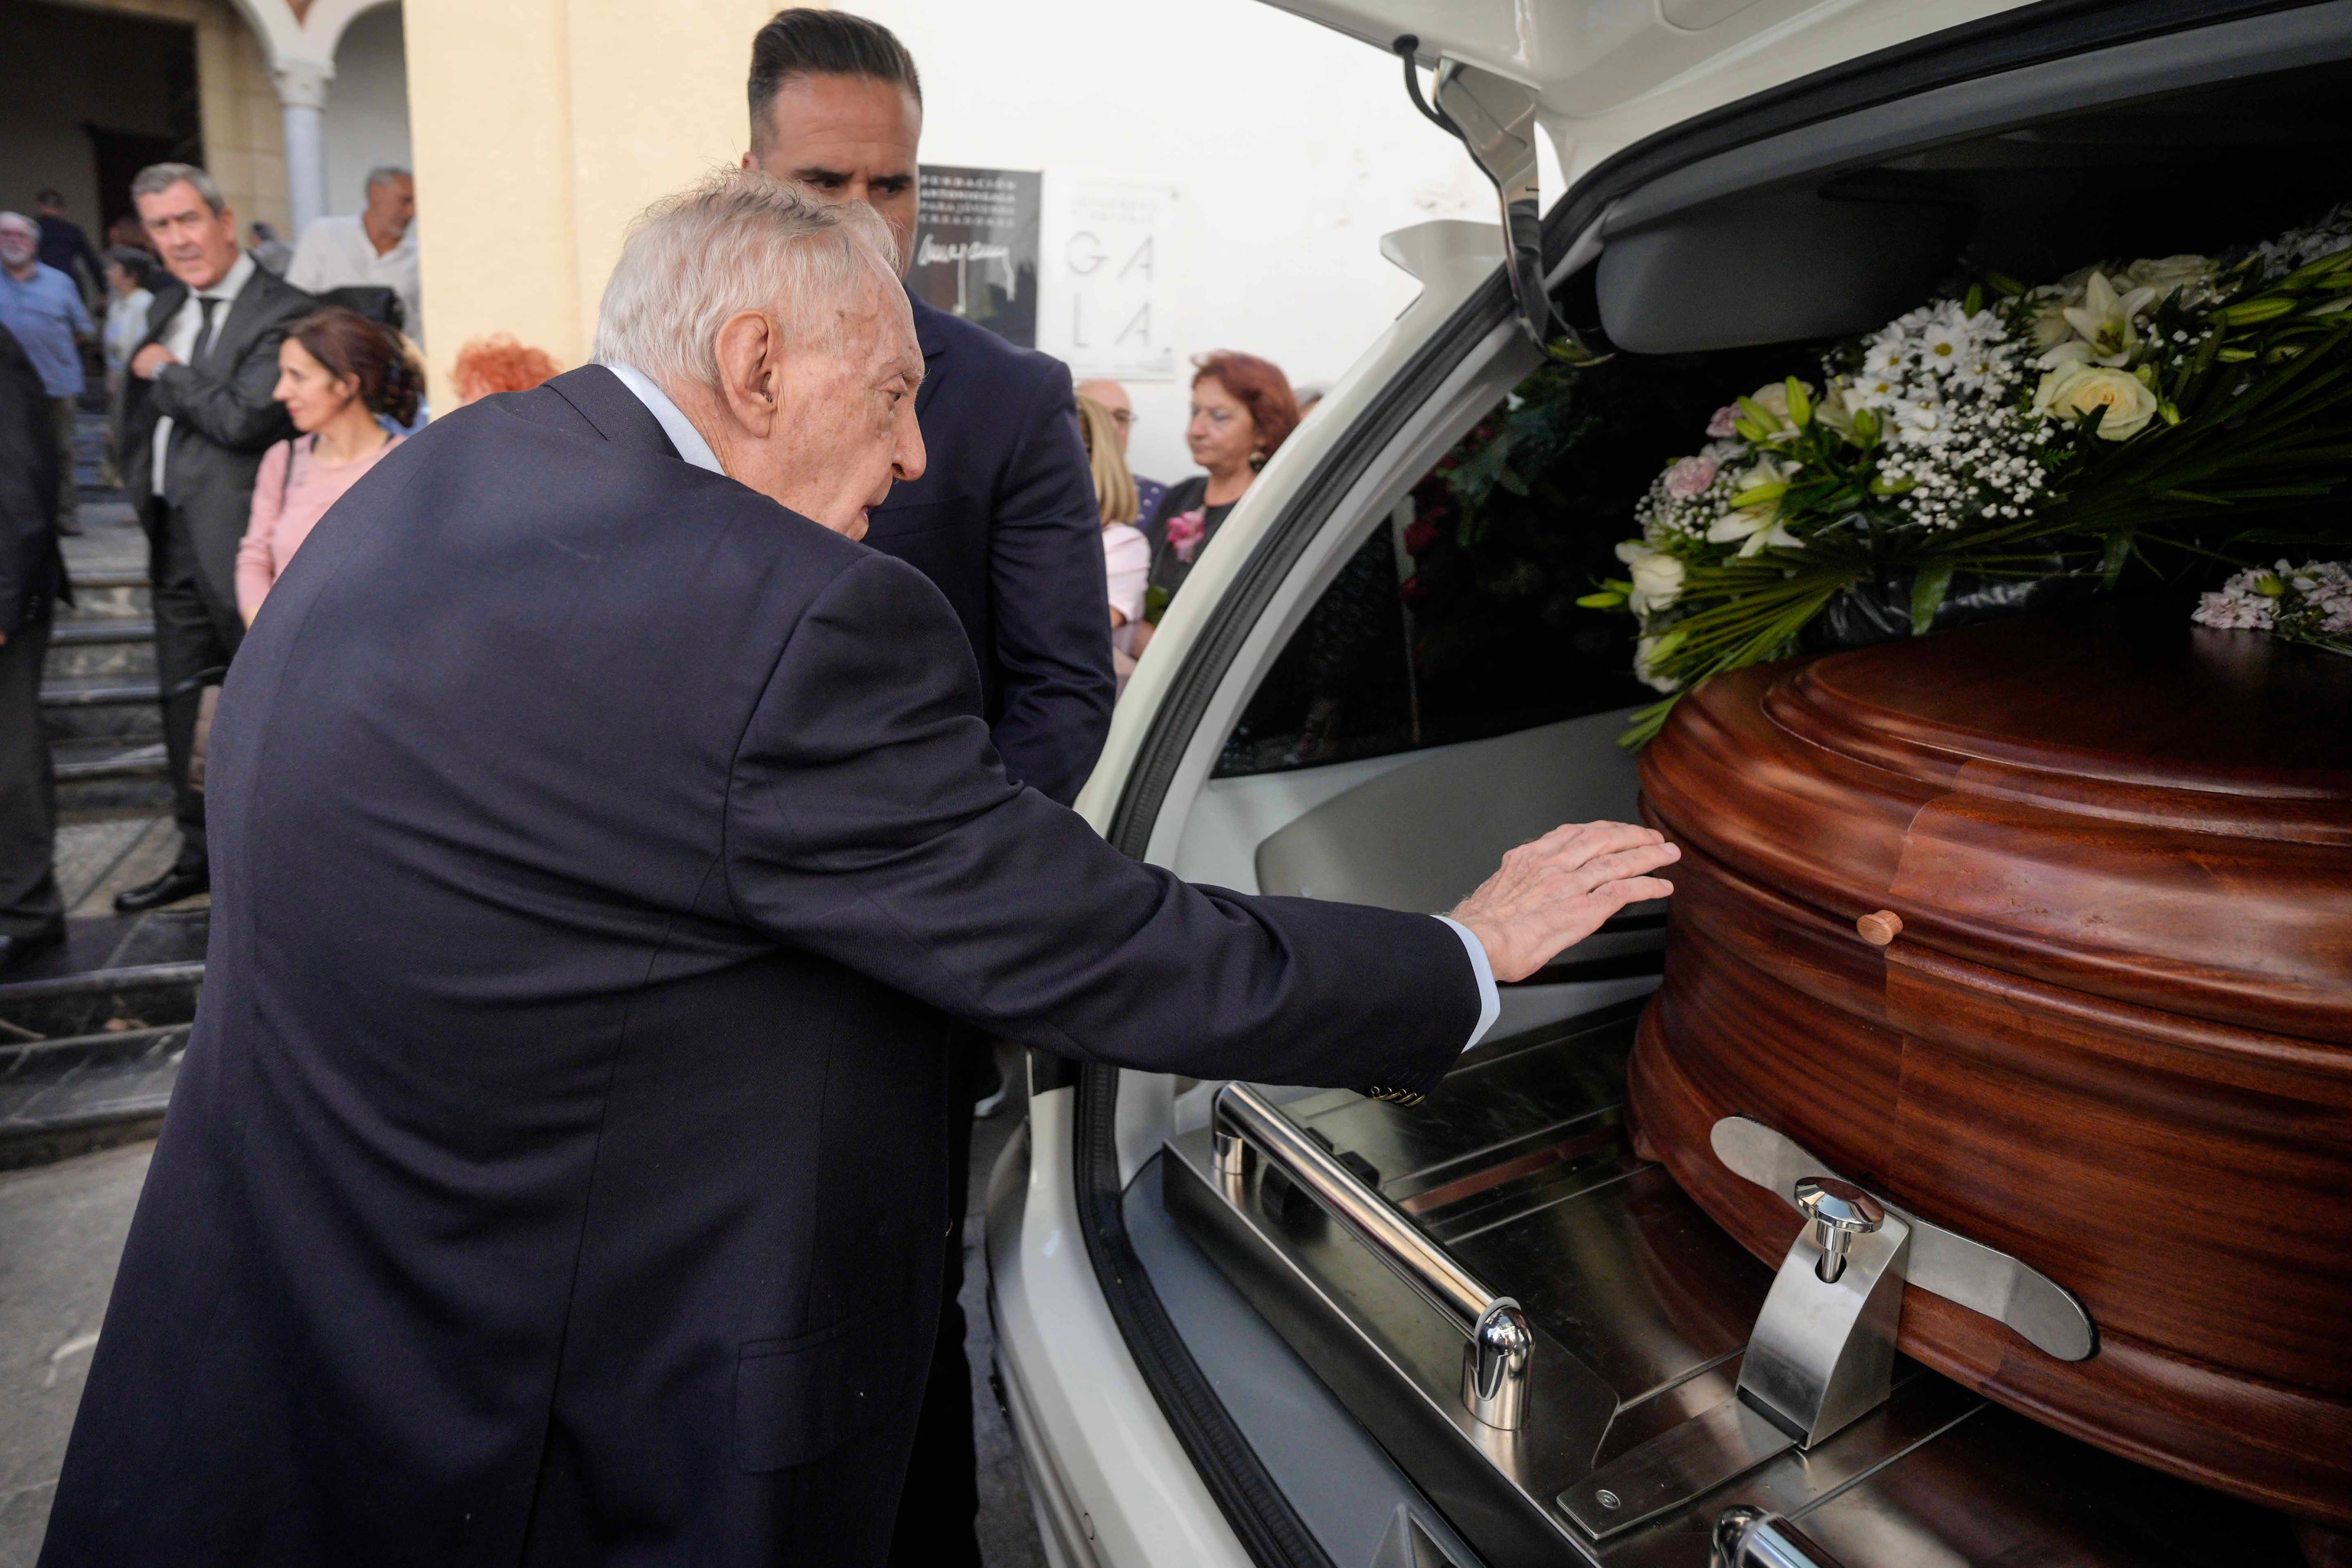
point(1747, 1537)
point(1494, 1362)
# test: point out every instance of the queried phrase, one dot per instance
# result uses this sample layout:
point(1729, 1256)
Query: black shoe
point(990, 1098)
point(70, 527)
point(15, 952)
point(170, 888)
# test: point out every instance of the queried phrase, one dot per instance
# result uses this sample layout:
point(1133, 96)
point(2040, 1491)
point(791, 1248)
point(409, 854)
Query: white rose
point(1657, 577)
point(2071, 391)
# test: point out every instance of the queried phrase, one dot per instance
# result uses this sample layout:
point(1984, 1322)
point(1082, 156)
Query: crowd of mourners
point(247, 385)
point(305, 396)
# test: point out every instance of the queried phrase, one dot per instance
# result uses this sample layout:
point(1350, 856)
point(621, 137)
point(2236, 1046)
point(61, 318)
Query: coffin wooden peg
point(1880, 928)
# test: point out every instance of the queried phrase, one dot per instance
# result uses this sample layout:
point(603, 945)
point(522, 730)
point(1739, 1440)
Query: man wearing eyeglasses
point(1113, 396)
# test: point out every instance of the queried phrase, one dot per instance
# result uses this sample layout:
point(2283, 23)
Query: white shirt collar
point(674, 423)
point(232, 283)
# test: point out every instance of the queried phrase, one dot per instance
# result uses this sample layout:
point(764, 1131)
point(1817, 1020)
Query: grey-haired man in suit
point(196, 417)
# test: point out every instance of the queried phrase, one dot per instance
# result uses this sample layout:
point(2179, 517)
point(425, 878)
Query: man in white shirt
point(376, 249)
point(197, 415)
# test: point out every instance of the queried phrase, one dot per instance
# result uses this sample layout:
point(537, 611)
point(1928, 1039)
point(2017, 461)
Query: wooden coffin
point(2114, 1036)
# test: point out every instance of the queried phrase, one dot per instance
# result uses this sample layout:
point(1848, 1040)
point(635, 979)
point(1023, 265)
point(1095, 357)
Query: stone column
point(302, 96)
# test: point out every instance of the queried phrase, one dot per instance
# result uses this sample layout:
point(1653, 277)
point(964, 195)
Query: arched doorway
point(91, 93)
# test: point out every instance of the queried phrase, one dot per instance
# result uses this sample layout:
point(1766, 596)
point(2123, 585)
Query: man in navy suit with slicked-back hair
point(606, 847)
point(1004, 522)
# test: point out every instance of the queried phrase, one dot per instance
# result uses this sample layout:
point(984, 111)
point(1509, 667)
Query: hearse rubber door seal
point(1261, 1518)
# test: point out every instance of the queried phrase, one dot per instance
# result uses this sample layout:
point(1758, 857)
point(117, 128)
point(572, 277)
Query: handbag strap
point(285, 477)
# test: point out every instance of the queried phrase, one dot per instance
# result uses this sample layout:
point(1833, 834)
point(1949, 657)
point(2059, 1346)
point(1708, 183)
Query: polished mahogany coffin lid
point(2115, 800)
point(2131, 695)
point(2043, 931)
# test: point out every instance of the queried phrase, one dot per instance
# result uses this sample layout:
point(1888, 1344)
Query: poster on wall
point(976, 247)
point(1110, 239)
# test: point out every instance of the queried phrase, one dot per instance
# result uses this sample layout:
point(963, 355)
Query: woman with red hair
point(499, 364)
point(1241, 410)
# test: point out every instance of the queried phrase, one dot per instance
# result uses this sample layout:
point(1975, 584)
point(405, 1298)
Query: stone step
point(99, 691)
point(113, 727)
point(103, 645)
point(110, 774)
point(144, 995)
point(97, 632)
point(139, 996)
point(78, 761)
point(126, 707)
point(67, 1096)
point(101, 594)
point(90, 1039)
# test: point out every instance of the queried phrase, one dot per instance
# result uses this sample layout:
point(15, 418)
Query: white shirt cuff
point(1490, 1001)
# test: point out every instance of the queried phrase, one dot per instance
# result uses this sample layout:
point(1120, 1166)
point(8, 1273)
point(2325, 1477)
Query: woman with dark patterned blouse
point(1241, 410)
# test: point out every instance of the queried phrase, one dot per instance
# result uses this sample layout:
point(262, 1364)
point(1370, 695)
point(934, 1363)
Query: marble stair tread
point(25, 1059)
point(107, 596)
point(99, 691)
point(41, 1114)
point(108, 757)
point(87, 1082)
point(73, 632)
point(136, 971)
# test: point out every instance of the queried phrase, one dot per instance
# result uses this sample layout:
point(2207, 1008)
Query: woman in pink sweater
point(337, 371)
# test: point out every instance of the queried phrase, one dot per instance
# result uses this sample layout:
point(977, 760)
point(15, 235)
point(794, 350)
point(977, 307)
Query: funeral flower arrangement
point(2308, 603)
point(1987, 449)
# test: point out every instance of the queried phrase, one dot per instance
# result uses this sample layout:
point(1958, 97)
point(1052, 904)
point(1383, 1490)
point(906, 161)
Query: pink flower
point(1720, 427)
point(1185, 532)
point(1690, 478)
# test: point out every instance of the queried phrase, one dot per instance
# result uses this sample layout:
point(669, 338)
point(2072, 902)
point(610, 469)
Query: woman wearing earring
point(337, 371)
point(1242, 410)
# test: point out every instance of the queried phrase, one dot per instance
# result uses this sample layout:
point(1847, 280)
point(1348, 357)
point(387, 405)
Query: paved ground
point(62, 1230)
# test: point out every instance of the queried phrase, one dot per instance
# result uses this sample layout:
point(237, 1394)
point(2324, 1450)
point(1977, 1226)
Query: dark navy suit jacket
point(602, 857)
point(1005, 523)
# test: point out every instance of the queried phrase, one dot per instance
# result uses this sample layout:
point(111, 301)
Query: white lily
point(2107, 320)
point(1757, 525)
point(2051, 327)
point(1837, 405)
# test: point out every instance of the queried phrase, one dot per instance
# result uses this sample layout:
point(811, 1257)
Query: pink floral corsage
point(1185, 532)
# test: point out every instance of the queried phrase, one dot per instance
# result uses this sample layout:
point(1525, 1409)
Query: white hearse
point(1243, 1324)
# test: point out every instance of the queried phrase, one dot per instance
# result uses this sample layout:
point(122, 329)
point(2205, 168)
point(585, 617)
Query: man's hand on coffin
point(1552, 893)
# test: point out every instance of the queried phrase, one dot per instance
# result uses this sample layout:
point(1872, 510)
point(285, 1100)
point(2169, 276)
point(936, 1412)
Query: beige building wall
point(244, 137)
point(237, 105)
point(541, 128)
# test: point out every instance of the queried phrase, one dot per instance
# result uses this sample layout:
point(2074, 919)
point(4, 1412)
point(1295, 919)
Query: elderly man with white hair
point(606, 841)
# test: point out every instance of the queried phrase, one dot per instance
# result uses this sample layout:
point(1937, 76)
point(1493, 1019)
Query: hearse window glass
point(1456, 618)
